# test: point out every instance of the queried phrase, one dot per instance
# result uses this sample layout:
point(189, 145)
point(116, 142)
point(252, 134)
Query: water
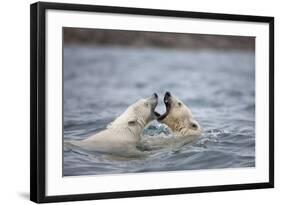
point(218, 86)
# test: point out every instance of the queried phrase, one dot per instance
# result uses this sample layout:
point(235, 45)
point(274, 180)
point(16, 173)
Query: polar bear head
point(138, 115)
point(179, 118)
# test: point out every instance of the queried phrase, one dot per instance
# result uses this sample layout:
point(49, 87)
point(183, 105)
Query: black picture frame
point(38, 101)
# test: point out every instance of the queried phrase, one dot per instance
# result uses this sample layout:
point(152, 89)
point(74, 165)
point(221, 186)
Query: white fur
point(124, 132)
point(180, 119)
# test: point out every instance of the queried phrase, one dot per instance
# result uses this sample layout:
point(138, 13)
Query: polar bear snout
point(167, 98)
point(154, 97)
point(153, 100)
point(167, 94)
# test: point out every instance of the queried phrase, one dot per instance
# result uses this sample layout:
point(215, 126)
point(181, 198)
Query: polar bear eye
point(132, 122)
point(194, 126)
point(179, 104)
point(146, 104)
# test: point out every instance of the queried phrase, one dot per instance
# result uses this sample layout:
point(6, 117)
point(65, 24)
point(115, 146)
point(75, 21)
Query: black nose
point(168, 94)
point(155, 95)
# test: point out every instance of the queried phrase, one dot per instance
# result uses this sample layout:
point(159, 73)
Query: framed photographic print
point(129, 102)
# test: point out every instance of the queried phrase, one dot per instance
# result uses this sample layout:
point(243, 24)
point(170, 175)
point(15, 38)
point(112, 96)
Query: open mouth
point(167, 102)
point(156, 114)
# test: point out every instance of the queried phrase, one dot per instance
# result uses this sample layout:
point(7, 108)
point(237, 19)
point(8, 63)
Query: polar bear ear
point(132, 122)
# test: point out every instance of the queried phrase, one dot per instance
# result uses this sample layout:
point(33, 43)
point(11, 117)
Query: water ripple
point(219, 87)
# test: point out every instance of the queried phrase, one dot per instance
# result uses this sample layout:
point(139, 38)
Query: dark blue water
point(218, 86)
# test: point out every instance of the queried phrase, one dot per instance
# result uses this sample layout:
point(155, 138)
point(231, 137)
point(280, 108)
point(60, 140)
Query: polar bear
point(124, 133)
point(179, 118)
